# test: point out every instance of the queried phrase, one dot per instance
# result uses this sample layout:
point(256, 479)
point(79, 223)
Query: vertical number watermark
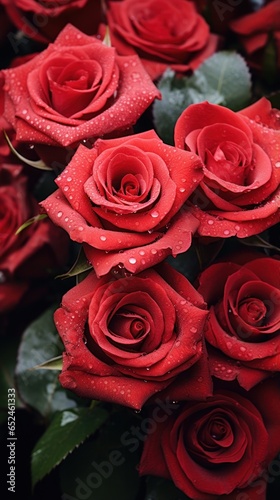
point(11, 441)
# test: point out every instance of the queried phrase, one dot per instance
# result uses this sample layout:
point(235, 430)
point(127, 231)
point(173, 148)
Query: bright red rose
point(239, 194)
point(255, 31)
point(77, 89)
point(163, 34)
point(243, 326)
point(42, 20)
point(219, 447)
point(127, 338)
point(125, 203)
point(35, 251)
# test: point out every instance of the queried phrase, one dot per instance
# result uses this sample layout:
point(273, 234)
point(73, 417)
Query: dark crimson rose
point(127, 338)
point(33, 253)
point(255, 31)
point(219, 447)
point(243, 326)
point(77, 89)
point(164, 34)
point(125, 203)
point(42, 20)
point(239, 194)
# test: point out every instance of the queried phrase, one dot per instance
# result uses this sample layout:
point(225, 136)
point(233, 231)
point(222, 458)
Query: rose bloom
point(43, 20)
point(239, 194)
point(124, 199)
point(127, 338)
point(243, 326)
point(255, 30)
point(164, 34)
point(77, 89)
point(35, 252)
point(219, 447)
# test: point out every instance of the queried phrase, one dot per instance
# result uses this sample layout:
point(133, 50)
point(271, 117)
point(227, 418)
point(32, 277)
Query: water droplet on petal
point(154, 214)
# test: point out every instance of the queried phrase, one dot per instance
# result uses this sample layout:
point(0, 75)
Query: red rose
point(239, 194)
point(128, 338)
point(35, 251)
point(124, 204)
point(243, 325)
point(217, 448)
point(43, 20)
point(255, 31)
point(77, 89)
point(163, 34)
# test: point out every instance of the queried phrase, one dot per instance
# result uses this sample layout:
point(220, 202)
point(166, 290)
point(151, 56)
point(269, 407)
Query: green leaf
point(68, 428)
point(31, 221)
point(40, 388)
point(105, 467)
point(36, 164)
point(80, 266)
point(222, 79)
point(161, 489)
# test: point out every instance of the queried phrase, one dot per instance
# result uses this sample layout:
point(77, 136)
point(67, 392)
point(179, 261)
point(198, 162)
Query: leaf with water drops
point(69, 428)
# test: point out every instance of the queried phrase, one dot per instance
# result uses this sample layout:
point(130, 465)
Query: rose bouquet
point(139, 260)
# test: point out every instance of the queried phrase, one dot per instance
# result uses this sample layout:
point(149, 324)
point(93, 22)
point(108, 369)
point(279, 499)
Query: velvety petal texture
point(243, 326)
point(210, 450)
point(77, 89)
point(239, 194)
point(163, 34)
point(126, 339)
point(126, 203)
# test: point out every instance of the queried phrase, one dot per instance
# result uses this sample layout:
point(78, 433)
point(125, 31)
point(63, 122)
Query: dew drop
point(59, 214)
point(103, 238)
point(210, 222)
point(132, 260)
point(154, 214)
point(277, 164)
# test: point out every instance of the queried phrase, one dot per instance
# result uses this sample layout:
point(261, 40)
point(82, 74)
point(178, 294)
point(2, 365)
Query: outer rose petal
point(177, 240)
point(135, 93)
